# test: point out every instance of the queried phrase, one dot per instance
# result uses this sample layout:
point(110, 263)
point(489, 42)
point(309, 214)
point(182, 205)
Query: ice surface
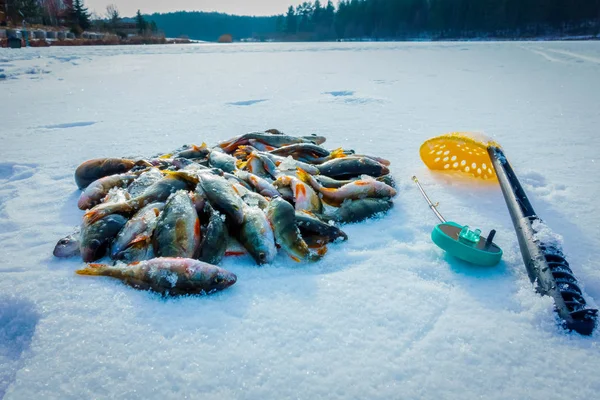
point(386, 314)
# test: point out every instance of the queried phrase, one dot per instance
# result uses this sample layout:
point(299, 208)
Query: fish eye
point(218, 280)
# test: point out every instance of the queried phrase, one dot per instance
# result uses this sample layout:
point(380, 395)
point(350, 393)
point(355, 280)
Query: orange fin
point(91, 269)
point(337, 153)
point(139, 238)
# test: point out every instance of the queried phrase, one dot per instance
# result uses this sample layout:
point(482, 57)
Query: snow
point(385, 314)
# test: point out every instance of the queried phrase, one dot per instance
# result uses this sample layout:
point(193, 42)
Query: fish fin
point(139, 238)
point(234, 253)
point(166, 156)
point(322, 251)
point(361, 182)
point(337, 153)
point(156, 211)
point(303, 175)
point(242, 164)
point(182, 175)
point(295, 258)
point(92, 269)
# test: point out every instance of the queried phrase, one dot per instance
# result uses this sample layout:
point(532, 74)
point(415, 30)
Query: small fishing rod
point(460, 241)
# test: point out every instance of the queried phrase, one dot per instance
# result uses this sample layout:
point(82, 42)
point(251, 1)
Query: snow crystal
point(544, 234)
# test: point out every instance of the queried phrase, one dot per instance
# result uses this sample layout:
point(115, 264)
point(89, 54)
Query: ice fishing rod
point(545, 262)
point(460, 241)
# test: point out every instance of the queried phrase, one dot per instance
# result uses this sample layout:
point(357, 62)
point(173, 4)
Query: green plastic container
point(460, 242)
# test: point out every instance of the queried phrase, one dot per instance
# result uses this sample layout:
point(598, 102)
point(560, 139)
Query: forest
point(397, 20)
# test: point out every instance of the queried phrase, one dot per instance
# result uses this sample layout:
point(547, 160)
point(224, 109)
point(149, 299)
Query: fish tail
point(93, 270)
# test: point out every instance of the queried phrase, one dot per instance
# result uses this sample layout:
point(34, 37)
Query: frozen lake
point(384, 315)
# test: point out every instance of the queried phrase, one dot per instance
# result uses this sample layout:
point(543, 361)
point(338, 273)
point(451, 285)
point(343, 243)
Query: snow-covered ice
point(385, 315)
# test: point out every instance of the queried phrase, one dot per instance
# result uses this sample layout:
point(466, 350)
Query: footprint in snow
point(69, 125)
point(18, 320)
point(16, 172)
point(246, 102)
point(341, 93)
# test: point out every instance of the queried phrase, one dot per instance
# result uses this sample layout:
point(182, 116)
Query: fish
point(144, 181)
point(331, 183)
point(194, 152)
point(260, 146)
point(388, 180)
point(215, 238)
point(159, 191)
point(301, 148)
point(97, 190)
point(95, 169)
point(138, 229)
point(282, 217)
point(138, 251)
point(360, 210)
point(351, 167)
point(260, 185)
point(358, 189)
point(167, 276)
point(267, 164)
point(336, 184)
point(223, 161)
point(251, 198)
point(223, 198)
point(308, 223)
point(177, 232)
point(68, 246)
point(96, 238)
point(229, 146)
point(116, 195)
point(305, 197)
point(256, 235)
point(234, 179)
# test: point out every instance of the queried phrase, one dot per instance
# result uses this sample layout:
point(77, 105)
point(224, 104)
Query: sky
point(241, 7)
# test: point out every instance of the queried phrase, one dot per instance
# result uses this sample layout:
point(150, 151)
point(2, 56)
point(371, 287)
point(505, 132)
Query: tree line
point(401, 19)
point(210, 26)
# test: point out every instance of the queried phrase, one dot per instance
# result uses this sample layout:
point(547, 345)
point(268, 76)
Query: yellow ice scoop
point(458, 151)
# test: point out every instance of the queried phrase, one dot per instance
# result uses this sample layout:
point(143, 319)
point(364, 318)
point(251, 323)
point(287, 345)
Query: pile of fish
point(168, 220)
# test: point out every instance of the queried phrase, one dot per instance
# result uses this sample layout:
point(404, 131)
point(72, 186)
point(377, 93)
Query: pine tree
point(140, 22)
point(291, 24)
point(28, 10)
point(79, 16)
